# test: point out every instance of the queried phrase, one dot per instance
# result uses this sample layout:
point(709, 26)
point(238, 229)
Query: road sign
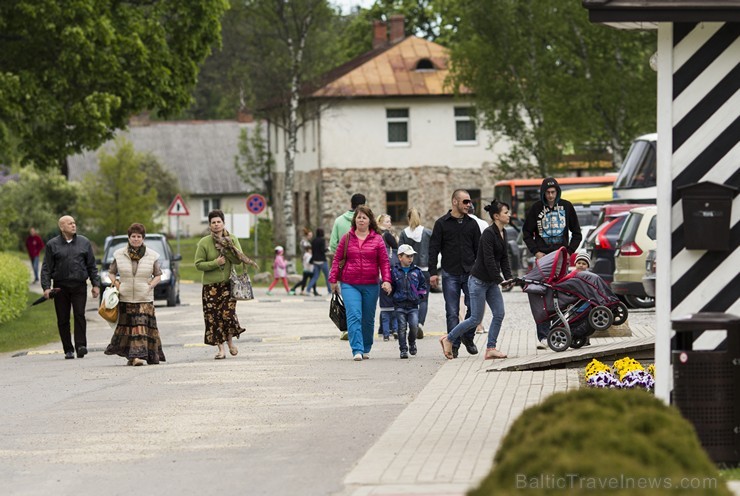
point(256, 203)
point(178, 207)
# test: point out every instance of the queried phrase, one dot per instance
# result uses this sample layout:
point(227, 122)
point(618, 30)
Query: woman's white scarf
point(415, 233)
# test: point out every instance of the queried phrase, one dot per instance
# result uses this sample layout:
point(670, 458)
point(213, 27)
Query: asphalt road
point(290, 415)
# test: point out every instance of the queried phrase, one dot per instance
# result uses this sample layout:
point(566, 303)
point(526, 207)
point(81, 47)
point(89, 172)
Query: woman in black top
point(318, 259)
point(483, 284)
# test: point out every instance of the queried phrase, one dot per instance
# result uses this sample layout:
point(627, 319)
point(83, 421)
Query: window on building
point(475, 196)
point(396, 205)
point(398, 125)
point(424, 65)
point(464, 125)
point(208, 205)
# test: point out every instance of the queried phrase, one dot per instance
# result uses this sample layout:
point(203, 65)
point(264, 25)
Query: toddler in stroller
point(574, 305)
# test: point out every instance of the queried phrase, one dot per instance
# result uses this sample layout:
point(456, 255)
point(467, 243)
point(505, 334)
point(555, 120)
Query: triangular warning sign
point(178, 207)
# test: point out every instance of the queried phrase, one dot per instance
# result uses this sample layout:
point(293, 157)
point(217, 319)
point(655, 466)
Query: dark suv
point(169, 285)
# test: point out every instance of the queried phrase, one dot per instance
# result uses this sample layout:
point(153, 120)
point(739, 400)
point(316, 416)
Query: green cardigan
point(205, 261)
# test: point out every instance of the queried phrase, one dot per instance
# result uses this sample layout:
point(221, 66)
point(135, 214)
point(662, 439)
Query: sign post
point(178, 208)
point(256, 204)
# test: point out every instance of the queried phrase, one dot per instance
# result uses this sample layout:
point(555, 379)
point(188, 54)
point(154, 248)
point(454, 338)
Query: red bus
point(522, 193)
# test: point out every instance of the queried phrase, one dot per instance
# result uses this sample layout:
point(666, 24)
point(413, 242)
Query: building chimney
point(380, 34)
point(397, 33)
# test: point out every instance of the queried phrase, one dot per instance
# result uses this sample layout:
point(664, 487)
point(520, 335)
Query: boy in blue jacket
point(409, 286)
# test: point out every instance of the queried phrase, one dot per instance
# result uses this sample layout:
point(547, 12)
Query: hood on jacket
point(415, 233)
point(549, 182)
point(348, 215)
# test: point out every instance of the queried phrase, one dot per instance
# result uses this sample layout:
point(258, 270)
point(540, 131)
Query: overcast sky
point(346, 5)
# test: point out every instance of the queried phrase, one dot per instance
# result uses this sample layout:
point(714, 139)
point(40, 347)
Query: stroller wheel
point(620, 313)
point(600, 318)
point(578, 342)
point(559, 338)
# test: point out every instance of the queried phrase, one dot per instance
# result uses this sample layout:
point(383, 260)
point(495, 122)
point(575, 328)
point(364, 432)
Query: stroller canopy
point(550, 268)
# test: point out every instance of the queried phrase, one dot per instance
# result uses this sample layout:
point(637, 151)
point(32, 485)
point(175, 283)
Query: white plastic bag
point(110, 297)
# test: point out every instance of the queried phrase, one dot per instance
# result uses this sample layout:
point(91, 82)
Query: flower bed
point(626, 373)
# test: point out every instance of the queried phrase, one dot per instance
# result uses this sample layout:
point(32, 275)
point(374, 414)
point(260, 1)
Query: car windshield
point(638, 169)
point(155, 244)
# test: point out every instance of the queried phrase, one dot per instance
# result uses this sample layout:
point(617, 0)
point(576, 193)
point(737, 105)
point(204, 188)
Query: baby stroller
point(574, 305)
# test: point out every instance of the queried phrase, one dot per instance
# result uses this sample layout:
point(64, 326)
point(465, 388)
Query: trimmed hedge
point(13, 287)
point(601, 441)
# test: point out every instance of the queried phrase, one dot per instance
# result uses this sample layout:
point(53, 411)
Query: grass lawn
point(37, 325)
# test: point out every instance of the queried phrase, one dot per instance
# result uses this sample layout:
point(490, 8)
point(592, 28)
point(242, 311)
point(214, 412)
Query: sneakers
point(358, 357)
point(69, 355)
point(291, 293)
point(455, 350)
point(492, 353)
point(365, 356)
point(412, 348)
point(269, 293)
point(386, 338)
point(419, 333)
point(542, 344)
point(81, 352)
point(404, 354)
point(344, 336)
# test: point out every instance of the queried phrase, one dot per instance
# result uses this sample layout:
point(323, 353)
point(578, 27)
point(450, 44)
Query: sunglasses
point(467, 202)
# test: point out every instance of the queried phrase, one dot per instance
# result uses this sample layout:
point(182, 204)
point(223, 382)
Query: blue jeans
point(35, 265)
point(424, 303)
point(360, 301)
point(388, 322)
point(406, 316)
point(451, 287)
point(317, 270)
point(482, 292)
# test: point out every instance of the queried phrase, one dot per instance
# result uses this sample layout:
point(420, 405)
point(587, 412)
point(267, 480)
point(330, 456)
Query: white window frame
point(206, 208)
point(465, 118)
point(404, 120)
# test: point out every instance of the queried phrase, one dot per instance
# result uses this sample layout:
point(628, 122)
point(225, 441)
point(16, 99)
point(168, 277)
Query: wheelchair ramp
point(638, 348)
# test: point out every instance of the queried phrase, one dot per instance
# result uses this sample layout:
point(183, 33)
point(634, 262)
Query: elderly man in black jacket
point(70, 262)
point(456, 236)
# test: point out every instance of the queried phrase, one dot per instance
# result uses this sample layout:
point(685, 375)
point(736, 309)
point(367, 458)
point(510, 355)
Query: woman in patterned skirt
point(136, 337)
point(214, 256)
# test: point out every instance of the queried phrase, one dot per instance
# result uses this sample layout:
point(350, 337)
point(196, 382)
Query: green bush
point(601, 441)
point(13, 287)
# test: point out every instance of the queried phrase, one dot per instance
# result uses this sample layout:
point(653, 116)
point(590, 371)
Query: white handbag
point(110, 297)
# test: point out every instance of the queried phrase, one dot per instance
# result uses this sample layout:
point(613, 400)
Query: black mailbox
point(707, 209)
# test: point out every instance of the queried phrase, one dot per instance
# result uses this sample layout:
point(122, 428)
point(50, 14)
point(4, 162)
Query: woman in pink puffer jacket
point(364, 256)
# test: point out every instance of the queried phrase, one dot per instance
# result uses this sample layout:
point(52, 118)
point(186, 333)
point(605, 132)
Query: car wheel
point(172, 297)
point(639, 301)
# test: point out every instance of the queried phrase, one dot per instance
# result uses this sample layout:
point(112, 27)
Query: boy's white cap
point(406, 250)
point(279, 248)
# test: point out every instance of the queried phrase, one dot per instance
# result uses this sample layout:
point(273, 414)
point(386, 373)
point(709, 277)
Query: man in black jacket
point(550, 223)
point(69, 262)
point(455, 236)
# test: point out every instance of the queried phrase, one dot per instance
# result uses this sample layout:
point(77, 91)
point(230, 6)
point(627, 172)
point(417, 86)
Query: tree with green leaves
point(291, 44)
point(35, 199)
point(119, 193)
point(255, 164)
point(547, 79)
point(73, 72)
point(160, 179)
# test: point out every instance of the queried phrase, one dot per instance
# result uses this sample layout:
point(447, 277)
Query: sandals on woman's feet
point(446, 347)
point(220, 355)
point(233, 349)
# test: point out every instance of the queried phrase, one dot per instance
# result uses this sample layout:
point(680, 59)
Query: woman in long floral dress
point(214, 257)
point(136, 336)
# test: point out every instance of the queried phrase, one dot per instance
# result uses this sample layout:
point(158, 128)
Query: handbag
point(241, 286)
point(337, 312)
point(343, 260)
point(109, 305)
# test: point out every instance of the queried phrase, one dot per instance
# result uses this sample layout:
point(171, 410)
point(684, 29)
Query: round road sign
point(256, 203)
